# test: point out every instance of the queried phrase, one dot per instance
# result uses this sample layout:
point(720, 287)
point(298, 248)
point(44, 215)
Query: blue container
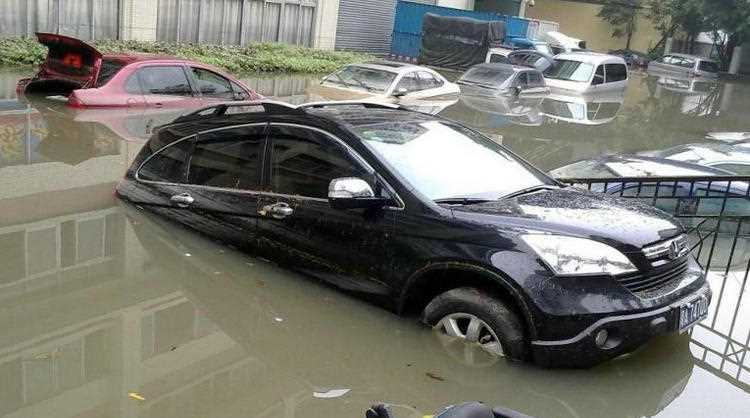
point(407, 25)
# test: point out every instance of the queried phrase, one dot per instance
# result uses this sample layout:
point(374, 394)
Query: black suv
point(424, 215)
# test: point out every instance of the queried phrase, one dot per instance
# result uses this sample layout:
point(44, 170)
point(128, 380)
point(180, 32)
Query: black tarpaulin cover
point(457, 42)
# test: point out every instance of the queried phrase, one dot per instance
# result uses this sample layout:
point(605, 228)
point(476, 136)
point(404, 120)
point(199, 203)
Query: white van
point(587, 72)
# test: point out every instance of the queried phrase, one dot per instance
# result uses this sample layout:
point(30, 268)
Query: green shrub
point(267, 57)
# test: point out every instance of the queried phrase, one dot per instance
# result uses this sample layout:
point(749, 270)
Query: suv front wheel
point(478, 318)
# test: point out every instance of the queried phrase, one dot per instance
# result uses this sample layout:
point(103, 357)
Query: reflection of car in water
point(685, 65)
point(133, 124)
point(385, 81)
point(227, 286)
point(588, 109)
point(494, 112)
point(88, 78)
point(686, 85)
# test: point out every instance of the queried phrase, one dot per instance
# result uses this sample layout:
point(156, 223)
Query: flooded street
point(110, 311)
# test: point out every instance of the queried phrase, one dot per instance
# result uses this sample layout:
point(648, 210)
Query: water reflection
point(110, 311)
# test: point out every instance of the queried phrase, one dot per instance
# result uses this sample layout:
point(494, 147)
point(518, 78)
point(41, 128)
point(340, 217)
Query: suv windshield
point(444, 161)
point(569, 70)
point(368, 79)
point(486, 76)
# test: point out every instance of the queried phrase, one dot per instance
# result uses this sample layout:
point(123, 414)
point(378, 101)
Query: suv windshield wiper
point(462, 200)
point(531, 189)
point(363, 84)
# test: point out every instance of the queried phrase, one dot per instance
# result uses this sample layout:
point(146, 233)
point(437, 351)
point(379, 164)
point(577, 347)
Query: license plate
point(692, 312)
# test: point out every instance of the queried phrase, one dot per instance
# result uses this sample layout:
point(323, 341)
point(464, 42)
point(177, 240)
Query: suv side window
point(164, 80)
point(304, 161)
point(598, 76)
point(616, 72)
point(535, 79)
point(522, 80)
point(211, 84)
point(228, 158)
point(410, 82)
point(169, 164)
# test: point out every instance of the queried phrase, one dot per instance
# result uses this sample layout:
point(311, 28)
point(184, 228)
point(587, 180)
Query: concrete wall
point(326, 20)
point(579, 19)
point(138, 19)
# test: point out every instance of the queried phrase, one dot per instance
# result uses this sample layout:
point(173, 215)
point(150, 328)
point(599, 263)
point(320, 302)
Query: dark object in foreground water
point(464, 410)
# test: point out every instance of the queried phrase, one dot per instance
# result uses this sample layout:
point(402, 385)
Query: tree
point(730, 17)
point(669, 16)
point(622, 15)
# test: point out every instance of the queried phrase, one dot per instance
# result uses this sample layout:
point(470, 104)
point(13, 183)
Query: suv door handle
point(278, 210)
point(182, 200)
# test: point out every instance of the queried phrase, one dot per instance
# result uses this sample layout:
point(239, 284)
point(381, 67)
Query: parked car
point(669, 192)
point(560, 43)
point(88, 78)
point(502, 79)
point(685, 65)
point(583, 109)
point(529, 44)
point(422, 214)
point(523, 57)
point(388, 82)
point(731, 158)
point(632, 58)
point(587, 72)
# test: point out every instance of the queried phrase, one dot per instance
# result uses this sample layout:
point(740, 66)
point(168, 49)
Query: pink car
point(89, 79)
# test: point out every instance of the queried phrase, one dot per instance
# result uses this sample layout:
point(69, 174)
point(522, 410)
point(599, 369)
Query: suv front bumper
point(625, 333)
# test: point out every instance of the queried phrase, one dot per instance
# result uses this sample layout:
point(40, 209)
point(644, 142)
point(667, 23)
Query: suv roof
point(589, 57)
point(344, 112)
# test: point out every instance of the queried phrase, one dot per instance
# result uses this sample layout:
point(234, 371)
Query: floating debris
point(333, 393)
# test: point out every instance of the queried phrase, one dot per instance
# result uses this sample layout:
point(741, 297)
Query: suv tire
point(460, 308)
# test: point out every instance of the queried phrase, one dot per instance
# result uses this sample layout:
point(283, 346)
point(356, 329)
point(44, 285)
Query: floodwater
point(106, 311)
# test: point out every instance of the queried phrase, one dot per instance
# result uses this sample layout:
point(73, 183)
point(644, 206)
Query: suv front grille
point(642, 282)
point(666, 251)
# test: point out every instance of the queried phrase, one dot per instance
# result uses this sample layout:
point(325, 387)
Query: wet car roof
point(355, 116)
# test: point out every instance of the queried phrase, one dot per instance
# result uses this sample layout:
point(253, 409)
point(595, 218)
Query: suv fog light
point(601, 338)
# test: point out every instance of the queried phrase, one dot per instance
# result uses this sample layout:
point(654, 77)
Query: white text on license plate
point(692, 312)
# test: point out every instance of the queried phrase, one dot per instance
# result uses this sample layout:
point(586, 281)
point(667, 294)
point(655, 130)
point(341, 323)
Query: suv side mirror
point(238, 95)
point(400, 92)
point(353, 193)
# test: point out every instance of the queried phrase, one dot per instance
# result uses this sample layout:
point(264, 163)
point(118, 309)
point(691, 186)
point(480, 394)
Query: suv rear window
point(108, 70)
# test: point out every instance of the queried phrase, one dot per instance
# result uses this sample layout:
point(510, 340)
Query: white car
point(587, 72)
point(389, 82)
point(560, 42)
point(583, 109)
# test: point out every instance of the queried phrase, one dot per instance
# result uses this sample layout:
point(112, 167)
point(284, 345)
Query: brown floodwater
point(107, 311)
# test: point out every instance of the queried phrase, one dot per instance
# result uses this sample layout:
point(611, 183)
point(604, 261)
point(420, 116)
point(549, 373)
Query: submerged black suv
point(424, 215)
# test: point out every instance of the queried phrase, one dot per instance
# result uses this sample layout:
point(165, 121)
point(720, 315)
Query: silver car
point(685, 65)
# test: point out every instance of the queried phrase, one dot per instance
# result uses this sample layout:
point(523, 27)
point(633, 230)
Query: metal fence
point(236, 21)
point(716, 212)
point(84, 19)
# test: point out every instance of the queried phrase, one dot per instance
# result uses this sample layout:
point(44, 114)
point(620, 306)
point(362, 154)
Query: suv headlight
point(570, 256)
